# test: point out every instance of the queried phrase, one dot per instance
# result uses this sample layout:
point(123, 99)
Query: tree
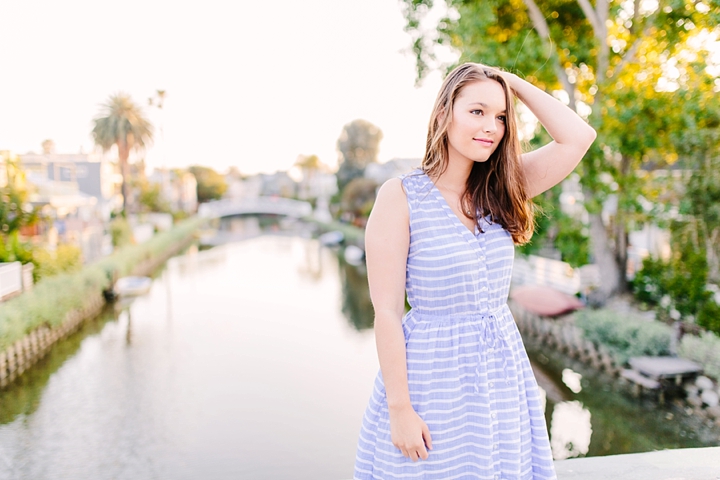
point(358, 198)
point(358, 146)
point(699, 146)
point(122, 123)
point(210, 184)
point(151, 199)
point(15, 211)
point(623, 63)
point(309, 165)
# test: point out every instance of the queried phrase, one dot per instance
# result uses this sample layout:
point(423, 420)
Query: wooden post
point(11, 362)
point(3, 369)
point(20, 357)
point(34, 347)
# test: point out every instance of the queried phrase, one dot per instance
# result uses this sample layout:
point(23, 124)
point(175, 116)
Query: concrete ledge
point(681, 464)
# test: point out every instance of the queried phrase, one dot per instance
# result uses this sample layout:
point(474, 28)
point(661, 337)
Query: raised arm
point(572, 136)
point(387, 239)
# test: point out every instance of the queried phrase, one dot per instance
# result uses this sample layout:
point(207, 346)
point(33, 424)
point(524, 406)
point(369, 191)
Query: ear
point(441, 115)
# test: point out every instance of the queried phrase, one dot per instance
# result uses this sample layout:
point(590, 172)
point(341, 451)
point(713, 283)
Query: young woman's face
point(478, 121)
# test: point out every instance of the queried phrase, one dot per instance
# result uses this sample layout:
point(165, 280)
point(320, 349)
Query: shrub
point(121, 232)
point(14, 250)
point(705, 350)
point(625, 335)
point(677, 289)
point(49, 302)
point(66, 258)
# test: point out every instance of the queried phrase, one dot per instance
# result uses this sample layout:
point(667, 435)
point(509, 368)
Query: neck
point(455, 176)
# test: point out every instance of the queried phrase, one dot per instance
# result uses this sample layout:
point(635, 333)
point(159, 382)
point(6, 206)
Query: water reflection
point(356, 304)
point(255, 360)
point(618, 423)
point(309, 256)
point(22, 397)
point(258, 375)
point(572, 380)
point(570, 430)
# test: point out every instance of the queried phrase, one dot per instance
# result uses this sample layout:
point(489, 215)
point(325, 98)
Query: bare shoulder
point(390, 212)
point(392, 192)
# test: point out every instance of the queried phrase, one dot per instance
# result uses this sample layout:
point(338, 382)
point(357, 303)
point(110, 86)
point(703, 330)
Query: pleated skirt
point(470, 380)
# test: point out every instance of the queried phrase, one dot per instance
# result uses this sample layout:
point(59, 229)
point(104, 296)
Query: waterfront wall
point(563, 336)
point(353, 235)
point(22, 353)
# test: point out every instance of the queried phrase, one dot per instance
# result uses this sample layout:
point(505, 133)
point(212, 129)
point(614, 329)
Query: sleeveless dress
point(469, 376)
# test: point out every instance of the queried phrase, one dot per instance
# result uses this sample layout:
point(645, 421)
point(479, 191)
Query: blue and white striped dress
point(469, 376)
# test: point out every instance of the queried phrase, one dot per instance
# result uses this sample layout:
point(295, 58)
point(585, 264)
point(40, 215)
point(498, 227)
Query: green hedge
point(704, 350)
point(678, 288)
point(625, 335)
point(52, 298)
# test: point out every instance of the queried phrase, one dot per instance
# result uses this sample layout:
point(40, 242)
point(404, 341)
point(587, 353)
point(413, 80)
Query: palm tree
point(121, 122)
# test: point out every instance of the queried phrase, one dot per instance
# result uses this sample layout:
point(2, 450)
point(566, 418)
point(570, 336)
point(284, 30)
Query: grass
point(53, 298)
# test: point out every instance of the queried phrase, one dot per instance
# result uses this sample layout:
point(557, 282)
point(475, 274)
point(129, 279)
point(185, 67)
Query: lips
point(484, 141)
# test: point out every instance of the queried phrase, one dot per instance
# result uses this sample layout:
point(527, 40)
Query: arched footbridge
point(256, 206)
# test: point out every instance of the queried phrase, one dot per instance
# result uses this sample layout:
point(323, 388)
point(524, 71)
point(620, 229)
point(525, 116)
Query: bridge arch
point(255, 206)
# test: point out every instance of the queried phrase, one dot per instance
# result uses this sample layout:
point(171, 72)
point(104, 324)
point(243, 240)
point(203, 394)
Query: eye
point(502, 118)
point(476, 112)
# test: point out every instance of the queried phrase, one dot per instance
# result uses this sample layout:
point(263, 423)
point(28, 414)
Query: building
point(93, 174)
point(77, 194)
point(278, 184)
point(381, 172)
point(178, 188)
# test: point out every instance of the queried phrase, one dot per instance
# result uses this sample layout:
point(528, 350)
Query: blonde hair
point(497, 186)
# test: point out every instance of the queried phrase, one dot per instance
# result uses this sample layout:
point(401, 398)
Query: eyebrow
point(485, 105)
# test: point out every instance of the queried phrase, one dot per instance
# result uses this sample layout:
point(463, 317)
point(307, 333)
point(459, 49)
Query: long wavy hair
point(497, 186)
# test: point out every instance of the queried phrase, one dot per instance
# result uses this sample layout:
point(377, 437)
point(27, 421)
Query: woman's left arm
point(572, 136)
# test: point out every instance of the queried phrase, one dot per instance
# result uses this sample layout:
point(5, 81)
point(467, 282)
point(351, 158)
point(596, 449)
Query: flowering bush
point(704, 350)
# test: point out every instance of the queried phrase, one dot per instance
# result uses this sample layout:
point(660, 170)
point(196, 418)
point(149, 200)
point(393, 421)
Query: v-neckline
point(449, 211)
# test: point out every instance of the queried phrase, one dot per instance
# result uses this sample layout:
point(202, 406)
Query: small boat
point(354, 255)
point(334, 237)
point(132, 286)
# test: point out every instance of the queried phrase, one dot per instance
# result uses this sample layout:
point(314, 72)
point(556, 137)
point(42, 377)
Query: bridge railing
point(259, 205)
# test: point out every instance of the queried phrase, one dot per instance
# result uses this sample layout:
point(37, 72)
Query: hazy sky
point(249, 83)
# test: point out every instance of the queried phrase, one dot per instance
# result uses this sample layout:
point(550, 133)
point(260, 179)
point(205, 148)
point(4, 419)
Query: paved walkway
point(681, 464)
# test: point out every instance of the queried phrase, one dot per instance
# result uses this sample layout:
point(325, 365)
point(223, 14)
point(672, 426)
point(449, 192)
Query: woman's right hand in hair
point(410, 433)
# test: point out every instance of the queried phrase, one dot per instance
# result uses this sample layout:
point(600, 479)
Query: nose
point(489, 125)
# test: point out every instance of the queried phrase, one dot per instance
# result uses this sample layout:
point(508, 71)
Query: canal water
point(255, 360)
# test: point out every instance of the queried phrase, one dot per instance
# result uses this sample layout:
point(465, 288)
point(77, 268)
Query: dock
point(659, 374)
point(664, 368)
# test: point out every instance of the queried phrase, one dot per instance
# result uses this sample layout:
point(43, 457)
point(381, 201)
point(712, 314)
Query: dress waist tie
point(492, 339)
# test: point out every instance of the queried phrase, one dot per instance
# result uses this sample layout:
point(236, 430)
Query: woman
point(455, 396)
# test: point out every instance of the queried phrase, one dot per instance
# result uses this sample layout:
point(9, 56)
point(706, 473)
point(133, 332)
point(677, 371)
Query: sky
point(251, 84)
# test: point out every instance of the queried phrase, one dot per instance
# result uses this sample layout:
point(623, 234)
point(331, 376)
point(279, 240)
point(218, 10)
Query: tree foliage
point(122, 123)
point(630, 66)
point(358, 146)
point(151, 198)
point(15, 212)
point(210, 184)
point(358, 198)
